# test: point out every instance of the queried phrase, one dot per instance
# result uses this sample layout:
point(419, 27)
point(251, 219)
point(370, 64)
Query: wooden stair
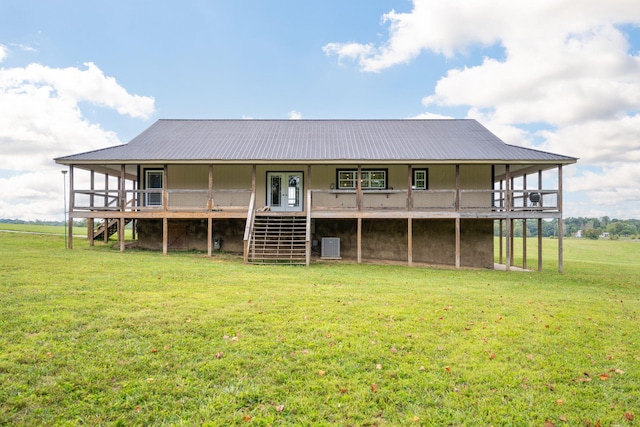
point(112, 228)
point(278, 239)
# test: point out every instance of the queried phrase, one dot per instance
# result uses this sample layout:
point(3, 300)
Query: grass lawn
point(93, 336)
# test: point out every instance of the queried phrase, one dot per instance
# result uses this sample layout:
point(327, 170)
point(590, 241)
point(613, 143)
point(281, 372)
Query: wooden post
point(409, 188)
point(92, 186)
point(209, 210)
point(90, 231)
point(210, 193)
point(539, 244)
point(105, 235)
point(410, 242)
point(209, 235)
point(508, 231)
point(253, 179)
point(165, 193)
point(122, 194)
point(540, 225)
point(359, 238)
point(71, 205)
point(560, 224)
point(524, 224)
point(501, 225)
point(457, 188)
point(359, 188)
point(121, 233)
point(307, 206)
point(165, 236)
point(458, 242)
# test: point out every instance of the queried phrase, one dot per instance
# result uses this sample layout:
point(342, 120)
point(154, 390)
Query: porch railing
point(202, 200)
point(154, 199)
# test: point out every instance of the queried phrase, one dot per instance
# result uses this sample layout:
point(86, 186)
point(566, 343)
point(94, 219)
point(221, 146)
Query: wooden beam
point(90, 231)
point(500, 229)
point(121, 234)
point(457, 242)
point(308, 219)
point(359, 188)
point(209, 236)
point(457, 188)
point(540, 226)
point(539, 244)
point(165, 194)
point(71, 205)
point(165, 236)
point(410, 242)
point(509, 223)
point(210, 193)
point(359, 240)
point(524, 226)
point(409, 188)
point(560, 224)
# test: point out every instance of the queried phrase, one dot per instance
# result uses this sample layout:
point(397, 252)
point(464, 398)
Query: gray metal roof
point(260, 141)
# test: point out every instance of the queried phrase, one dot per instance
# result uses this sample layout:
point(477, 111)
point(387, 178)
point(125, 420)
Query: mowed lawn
point(93, 336)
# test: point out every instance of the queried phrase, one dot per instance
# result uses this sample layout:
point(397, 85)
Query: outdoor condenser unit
point(331, 248)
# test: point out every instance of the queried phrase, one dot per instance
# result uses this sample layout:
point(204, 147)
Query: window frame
point(148, 196)
point(368, 179)
point(414, 179)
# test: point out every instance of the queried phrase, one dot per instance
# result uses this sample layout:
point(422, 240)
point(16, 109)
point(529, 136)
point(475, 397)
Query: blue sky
point(81, 75)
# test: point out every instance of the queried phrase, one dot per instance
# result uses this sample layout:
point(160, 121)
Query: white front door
point(284, 191)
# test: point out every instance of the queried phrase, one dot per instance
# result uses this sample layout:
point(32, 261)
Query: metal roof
point(314, 141)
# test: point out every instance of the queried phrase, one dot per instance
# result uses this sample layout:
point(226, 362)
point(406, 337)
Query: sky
point(82, 75)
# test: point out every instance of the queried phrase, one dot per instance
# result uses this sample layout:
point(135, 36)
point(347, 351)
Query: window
point(420, 179)
point(371, 179)
point(154, 181)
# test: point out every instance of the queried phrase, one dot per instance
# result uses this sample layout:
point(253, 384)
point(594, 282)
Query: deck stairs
point(112, 228)
point(278, 239)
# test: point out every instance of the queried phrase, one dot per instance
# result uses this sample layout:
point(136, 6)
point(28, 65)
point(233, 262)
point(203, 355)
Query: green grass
point(93, 336)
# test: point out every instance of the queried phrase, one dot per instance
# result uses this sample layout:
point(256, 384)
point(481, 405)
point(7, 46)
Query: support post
point(560, 224)
point(359, 188)
point(410, 242)
point(457, 188)
point(501, 225)
point(540, 225)
point(165, 193)
point(524, 224)
point(209, 235)
point(90, 231)
point(539, 244)
point(307, 207)
point(165, 236)
point(508, 231)
point(457, 242)
point(121, 233)
point(409, 188)
point(71, 206)
point(210, 193)
point(359, 238)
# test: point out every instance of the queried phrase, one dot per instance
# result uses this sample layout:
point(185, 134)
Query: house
point(414, 191)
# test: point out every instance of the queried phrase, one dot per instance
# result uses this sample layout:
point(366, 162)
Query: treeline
point(594, 228)
point(589, 228)
point(79, 223)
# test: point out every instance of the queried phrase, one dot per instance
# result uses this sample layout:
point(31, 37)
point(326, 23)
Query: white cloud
point(570, 70)
point(40, 119)
point(295, 115)
point(3, 53)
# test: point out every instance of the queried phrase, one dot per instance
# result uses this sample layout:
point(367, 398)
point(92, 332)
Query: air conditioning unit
point(330, 248)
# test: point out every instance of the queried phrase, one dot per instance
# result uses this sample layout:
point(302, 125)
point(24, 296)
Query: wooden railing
point(201, 200)
point(153, 199)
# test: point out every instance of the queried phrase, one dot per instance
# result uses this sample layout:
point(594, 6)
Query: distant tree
point(592, 233)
